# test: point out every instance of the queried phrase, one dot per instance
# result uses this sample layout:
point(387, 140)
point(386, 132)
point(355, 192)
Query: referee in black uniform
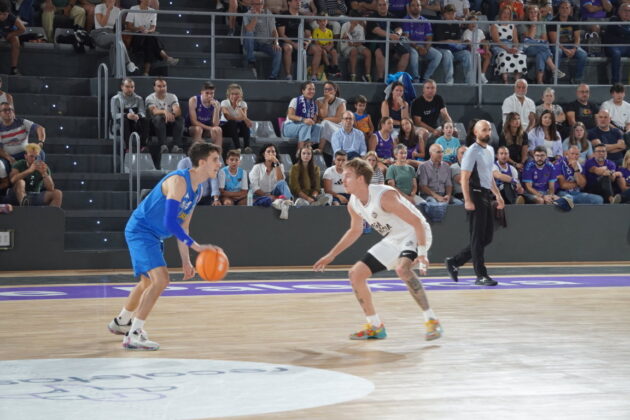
point(478, 186)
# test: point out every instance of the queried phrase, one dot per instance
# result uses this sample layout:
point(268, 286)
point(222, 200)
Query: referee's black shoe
point(485, 281)
point(451, 268)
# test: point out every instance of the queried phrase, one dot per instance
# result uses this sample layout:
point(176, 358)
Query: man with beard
point(478, 186)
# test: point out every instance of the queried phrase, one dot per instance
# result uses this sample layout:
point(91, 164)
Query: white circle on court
point(165, 388)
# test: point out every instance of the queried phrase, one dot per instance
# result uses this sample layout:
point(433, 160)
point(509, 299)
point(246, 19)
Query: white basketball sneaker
point(139, 340)
point(115, 328)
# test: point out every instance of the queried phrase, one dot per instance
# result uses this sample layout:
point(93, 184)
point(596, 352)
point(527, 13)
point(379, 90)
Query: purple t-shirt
point(563, 168)
point(596, 15)
point(591, 179)
point(539, 177)
point(384, 147)
point(626, 174)
point(418, 29)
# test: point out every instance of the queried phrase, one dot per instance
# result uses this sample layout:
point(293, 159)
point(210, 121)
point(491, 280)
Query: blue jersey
point(233, 183)
point(149, 216)
point(539, 177)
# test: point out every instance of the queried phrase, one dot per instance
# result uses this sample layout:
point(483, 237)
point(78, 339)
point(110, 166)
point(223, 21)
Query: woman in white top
point(235, 122)
point(105, 17)
point(545, 134)
point(267, 176)
point(331, 108)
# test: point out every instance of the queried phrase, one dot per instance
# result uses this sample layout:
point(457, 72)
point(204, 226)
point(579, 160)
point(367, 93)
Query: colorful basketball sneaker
point(115, 328)
point(434, 329)
point(139, 340)
point(370, 333)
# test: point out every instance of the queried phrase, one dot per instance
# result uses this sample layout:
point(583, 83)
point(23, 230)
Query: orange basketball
point(212, 264)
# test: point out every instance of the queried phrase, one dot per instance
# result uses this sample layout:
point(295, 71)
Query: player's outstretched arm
point(350, 237)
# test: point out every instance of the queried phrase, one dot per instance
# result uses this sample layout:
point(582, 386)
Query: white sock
point(374, 320)
point(428, 314)
point(137, 324)
point(124, 317)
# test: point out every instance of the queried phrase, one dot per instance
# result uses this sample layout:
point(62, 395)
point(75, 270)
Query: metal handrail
point(121, 136)
point(134, 138)
point(102, 99)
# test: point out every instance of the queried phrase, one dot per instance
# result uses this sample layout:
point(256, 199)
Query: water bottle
point(250, 197)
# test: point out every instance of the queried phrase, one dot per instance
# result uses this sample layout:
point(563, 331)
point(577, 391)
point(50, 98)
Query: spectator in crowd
point(572, 180)
point(449, 144)
point(478, 46)
point(32, 182)
point(288, 33)
point(6, 96)
point(521, 104)
point(375, 31)
point(581, 110)
point(448, 37)
point(363, 120)
point(462, 8)
point(456, 173)
point(409, 137)
point(514, 138)
point(470, 131)
point(569, 38)
point(331, 107)
point(619, 109)
point(166, 115)
point(431, 9)
point(14, 133)
point(363, 7)
point(548, 97)
point(234, 111)
point(434, 179)
point(307, 7)
point(398, 8)
point(333, 180)
point(302, 117)
point(335, 8)
point(151, 46)
point(594, 11)
point(276, 7)
point(352, 44)
point(210, 194)
point(506, 178)
point(601, 174)
point(509, 59)
point(203, 116)
point(545, 134)
point(105, 18)
point(24, 10)
point(267, 176)
point(539, 177)
point(579, 139)
point(618, 34)
point(232, 180)
point(395, 106)
point(608, 135)
point(348, 138)
point(402, 176)
point(89, 6)
point(624, 180)
point(420, 35)
point(383, 142)
point(323, 36)
point(68, 8)
point(11, 27)
point(128, 104)
point(517, 9)
point(377, 177)
point(304, 179)
point(260, 34)
point(427, 110)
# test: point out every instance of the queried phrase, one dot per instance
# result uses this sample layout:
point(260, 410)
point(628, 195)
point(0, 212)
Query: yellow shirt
point(323, 37)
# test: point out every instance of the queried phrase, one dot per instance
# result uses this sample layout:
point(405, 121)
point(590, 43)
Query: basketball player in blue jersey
point(407, 239)
point(165, 212)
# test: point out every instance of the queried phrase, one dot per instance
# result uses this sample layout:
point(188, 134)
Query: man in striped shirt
point(14, 134)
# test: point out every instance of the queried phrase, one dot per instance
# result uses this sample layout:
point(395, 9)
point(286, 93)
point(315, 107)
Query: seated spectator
point(232, 181)
point(462, 8)
point(420, 34)
point(479, 46)
point(434, 179)
point(260, 34)
point(431, 9)
point(427, 109)
point(506, 178)
point(581, 110)
point(89, 6)
point(549, 96)
point(521, 104)
point(210, 194)
point(578, 138)
point(304, 179)
point(624, 180)
point(14, 133)
point(131, 107)
point(414, 143)
point(456, 173)
point(24, 10)
point(608, 135)
point(470, 131)
point(362, 7)
point(151, 46)
point(569, 39)
point(166, 115)
point(105, 18)
point(348, 138)
point(363, 120)
point(514, 138)
point(288, 33)
point(375, 31)
point(333, 180)
point(508, 58)
point(203, 118)
point(449, 144)
point(323, 37)
point(330, 108)
point(545, 134)
point(539, 177)
point(335, 8)
point(352, 44)
point(601, 175)
point(517, 9)
point(448, 38)
point(67, 8)
point(619, 109)
point(236, 123)
point(307, 7)
point(571, 179)
point(302, 117)
point(382, 141)
point(6, 96)
point(233, 7)
point(395, 106)
point(32, 183)
point(398, 8)
point(617, 34)
point(267, 176)
point(377, 177)
point(402, 176)
point(11, 27)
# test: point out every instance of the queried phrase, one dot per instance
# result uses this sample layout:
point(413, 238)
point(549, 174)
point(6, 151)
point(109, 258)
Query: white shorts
point(346, 51)
point(388, 251)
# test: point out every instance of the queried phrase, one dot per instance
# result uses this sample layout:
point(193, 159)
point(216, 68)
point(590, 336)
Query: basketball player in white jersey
point(407, 238)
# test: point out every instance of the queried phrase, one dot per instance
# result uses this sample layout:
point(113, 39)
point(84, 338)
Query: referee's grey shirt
point(480, 162)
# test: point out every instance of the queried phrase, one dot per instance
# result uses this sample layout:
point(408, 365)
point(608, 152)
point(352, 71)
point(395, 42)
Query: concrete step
point(65, 126)
point(79, 163)
point(91, 200)
point(48, 85)
point(58, 104)
point(101, 181)
point(101, 240)
point(99, 220)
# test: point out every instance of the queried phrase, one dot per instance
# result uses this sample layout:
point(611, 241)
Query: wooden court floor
point(536, 353)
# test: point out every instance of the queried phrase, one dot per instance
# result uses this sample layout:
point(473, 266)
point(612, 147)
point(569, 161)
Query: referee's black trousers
point(481, 223)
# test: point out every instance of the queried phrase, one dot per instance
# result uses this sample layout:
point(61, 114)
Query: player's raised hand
point(321, 264)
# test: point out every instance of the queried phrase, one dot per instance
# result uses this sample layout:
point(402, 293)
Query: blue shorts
point(146, 250)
